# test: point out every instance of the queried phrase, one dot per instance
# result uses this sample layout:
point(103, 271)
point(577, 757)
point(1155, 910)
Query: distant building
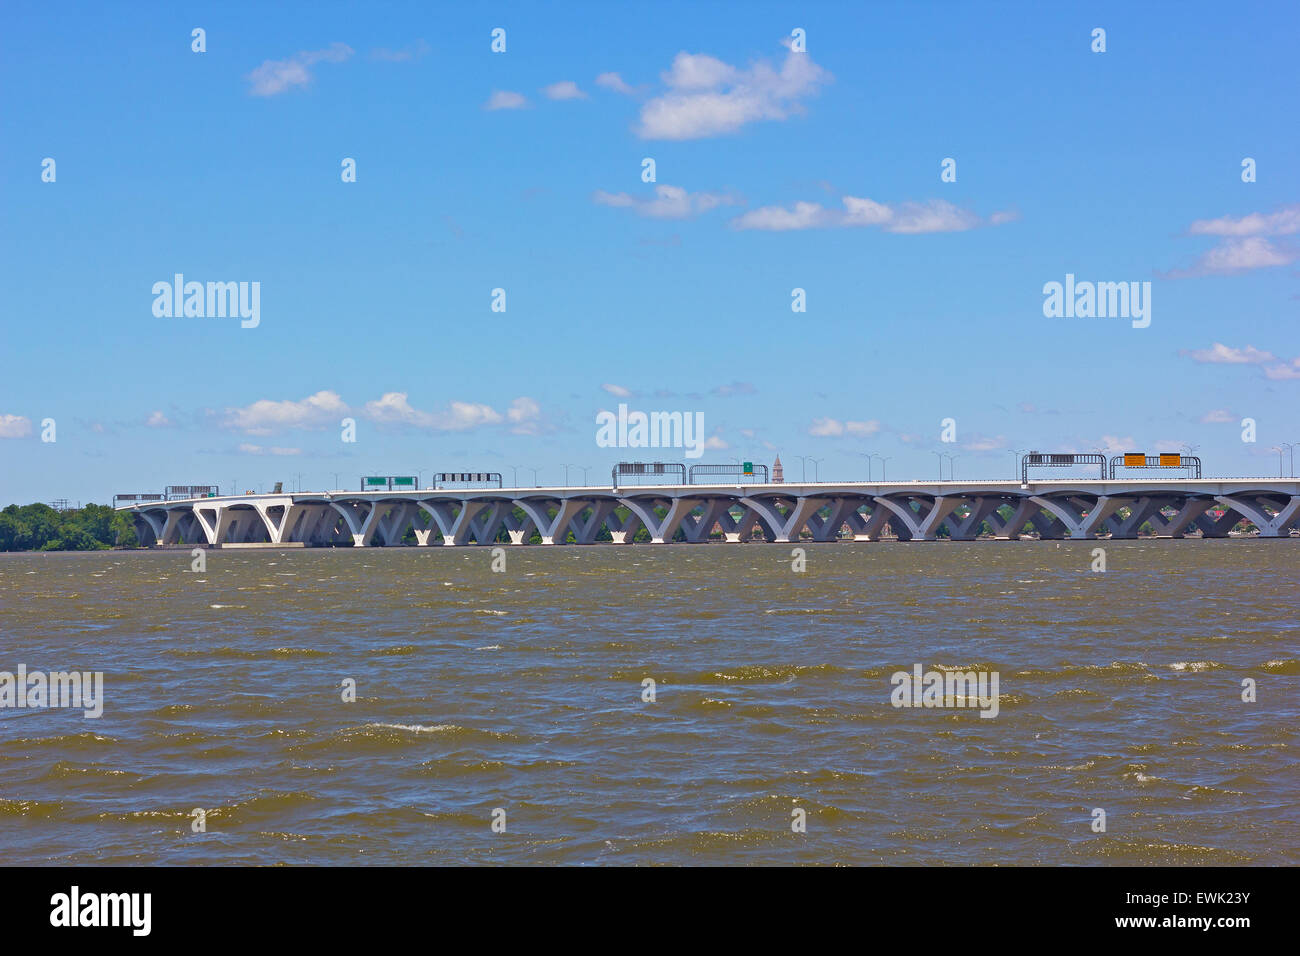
point(778, 473)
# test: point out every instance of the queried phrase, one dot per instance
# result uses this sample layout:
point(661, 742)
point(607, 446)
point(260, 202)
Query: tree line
point(39, 527)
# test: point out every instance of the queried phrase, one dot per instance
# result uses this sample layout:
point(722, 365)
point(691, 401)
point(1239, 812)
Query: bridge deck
point(824, 511)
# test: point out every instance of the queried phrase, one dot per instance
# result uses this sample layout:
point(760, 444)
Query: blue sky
point(776, 170)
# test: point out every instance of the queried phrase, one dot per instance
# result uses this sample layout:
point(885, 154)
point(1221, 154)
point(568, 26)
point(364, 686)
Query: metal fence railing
point(754, 474)
point(655, 471)
point(1136, 459)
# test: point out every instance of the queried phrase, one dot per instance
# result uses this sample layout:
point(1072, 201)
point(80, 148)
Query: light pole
point(1016, 453)
point(804, 465)
point(514, 475)
point(336, 479)
point(1279, 459)
point(1290, 449)
point(952, 472)
point(816, 472)
point(536, 482)
point(867, 456)
point(585, 469)
point(940, 454)
point(883, 459)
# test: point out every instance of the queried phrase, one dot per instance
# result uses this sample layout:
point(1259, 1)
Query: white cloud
point(277, 76)
point(1243, 246)
point(1275, 368)
point(392, 408)
point(1218, 416)
point(618, 391)
point(715, 442)
point(698, 71)
point(862, 429)
point(1233, 256)
point(564, 90)
point(834, 428)
point(707, 97)
point(1113, 445)
point(669, 202)
point(326, 409)
point(1284, 222)
point(985, 443)
point(1285, 371)
point(612, 81)
point(804, 215)
point(525, 416)
point(735, 388)
point(248, 449)
point(460, 416)
point(505, 100)
point(1220, 354)
point(264, 416)
point(15, 426)
point(413, 52)
point(932, 215)
point(158, 420)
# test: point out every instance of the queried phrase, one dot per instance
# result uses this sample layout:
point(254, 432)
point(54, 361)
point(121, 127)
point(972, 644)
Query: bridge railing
point(136, 498)
point(756, 474)
point(1060, 460)
point(181, 492)
point(651, 470)
point(1188, 463)
point(467, 479)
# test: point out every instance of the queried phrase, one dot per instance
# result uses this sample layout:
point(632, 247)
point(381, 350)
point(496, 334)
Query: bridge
point(733, 512)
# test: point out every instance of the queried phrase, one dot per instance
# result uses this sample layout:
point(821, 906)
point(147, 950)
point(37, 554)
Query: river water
point(517, 697)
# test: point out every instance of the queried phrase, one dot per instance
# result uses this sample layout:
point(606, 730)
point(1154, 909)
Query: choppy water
point(522, 691)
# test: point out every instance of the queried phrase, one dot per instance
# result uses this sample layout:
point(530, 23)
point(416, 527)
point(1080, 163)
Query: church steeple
point(778, 473)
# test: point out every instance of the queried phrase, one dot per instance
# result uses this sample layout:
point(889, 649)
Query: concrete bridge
point(818, 511)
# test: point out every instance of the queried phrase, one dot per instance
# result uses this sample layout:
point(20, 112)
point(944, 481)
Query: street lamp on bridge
point(1017, 452)
point(803, 474)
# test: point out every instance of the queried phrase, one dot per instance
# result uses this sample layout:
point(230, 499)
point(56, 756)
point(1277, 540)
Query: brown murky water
point(523, 691)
